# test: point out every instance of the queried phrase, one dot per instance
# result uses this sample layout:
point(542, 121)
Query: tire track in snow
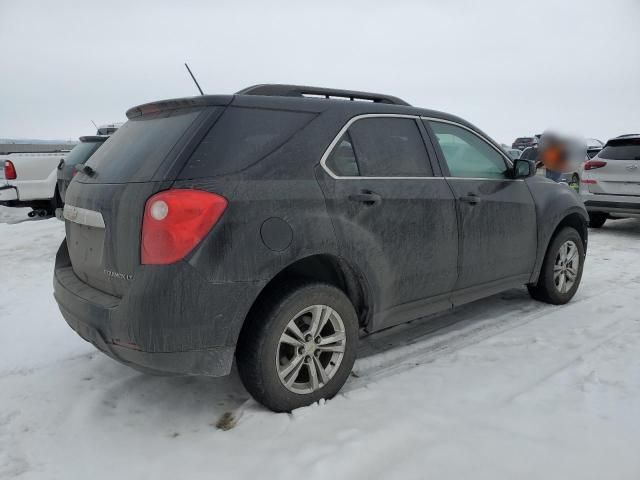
point(451, 335)
point(575, 359)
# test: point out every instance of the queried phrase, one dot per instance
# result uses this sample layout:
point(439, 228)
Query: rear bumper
point(612, 203)
point(8, 195)
point(212, 361)
point(144, 331)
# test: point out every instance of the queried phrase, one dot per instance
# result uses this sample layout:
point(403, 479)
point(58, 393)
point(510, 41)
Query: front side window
point(466, 154)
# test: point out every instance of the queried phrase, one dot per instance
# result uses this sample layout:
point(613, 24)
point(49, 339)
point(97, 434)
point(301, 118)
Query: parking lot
point(505, 387)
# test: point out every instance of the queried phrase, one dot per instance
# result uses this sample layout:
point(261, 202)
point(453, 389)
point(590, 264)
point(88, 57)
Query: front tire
point(562, 269)
point(299, 347)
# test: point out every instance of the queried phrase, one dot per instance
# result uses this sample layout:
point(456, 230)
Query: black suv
point(77, 156)
point(278, 224)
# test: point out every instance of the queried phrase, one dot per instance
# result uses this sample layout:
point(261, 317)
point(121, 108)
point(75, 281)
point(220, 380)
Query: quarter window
point(466, 154)
point(342, 160)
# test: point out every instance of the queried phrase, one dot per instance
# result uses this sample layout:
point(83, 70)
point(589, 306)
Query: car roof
point(295, 97)
point(623, 140)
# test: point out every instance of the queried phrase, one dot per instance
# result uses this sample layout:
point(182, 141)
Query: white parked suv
point(29, 180)
point(611, 181)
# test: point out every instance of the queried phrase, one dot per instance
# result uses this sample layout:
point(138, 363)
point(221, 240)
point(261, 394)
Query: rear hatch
point(617, 168)
point(105, 203)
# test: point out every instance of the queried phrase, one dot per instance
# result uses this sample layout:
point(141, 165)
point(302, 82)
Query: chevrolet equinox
point(277, 225)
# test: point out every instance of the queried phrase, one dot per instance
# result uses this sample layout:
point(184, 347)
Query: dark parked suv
point(278, 224)
point(77, 156)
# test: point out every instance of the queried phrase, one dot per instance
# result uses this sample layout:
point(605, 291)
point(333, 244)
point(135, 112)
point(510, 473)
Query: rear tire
point(597, 219)
point(299, 347)
point(562, 269)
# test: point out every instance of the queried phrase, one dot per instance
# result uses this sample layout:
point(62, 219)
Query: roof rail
point(280, 90)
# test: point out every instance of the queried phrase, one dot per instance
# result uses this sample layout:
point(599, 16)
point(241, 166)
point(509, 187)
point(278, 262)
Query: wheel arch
point(324, 268)
point(573, 218)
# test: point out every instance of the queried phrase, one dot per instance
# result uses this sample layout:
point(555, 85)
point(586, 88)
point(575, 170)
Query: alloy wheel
point(310, 349)
point(565, 269)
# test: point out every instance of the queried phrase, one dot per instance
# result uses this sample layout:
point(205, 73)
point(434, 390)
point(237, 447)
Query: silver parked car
point(611, 180)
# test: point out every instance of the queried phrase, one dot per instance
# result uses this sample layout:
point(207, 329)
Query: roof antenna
point(94, 124)
point(194, 78)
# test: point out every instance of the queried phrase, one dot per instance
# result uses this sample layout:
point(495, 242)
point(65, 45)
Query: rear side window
point(137, 150)
point(242, 137)
point(389, 147)
point(81, 152)
point(623, 149)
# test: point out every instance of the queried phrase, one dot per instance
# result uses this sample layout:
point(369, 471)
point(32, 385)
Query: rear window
point(139, 148)
point(81, 152)
point(623, 149)
point(524, 140)
point(242, 137)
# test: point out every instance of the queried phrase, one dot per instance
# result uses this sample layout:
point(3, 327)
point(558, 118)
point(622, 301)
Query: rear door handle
point(366, 197)
point(471, 198)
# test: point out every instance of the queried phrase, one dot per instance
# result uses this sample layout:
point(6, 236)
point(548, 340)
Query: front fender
point(556, 205)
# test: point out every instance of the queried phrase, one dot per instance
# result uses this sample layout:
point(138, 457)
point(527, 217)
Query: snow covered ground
point(502, 388)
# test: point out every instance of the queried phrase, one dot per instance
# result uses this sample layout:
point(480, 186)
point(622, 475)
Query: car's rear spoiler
point(179, 103)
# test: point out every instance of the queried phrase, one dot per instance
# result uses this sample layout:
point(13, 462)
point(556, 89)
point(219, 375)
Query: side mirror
point(523, 168)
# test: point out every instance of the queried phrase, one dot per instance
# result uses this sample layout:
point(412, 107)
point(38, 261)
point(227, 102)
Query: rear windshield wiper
point(86, 169)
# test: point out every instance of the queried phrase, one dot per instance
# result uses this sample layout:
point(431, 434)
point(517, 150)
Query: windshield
point(81, 153)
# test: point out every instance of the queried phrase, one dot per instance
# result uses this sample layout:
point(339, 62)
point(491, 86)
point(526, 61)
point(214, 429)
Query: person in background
point(554, 156)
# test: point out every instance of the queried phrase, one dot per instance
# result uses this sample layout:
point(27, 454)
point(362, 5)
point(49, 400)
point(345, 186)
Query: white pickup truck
point(29, 180)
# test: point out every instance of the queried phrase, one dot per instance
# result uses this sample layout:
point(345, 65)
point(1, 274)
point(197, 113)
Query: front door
point(496, 214)
point(392, 217)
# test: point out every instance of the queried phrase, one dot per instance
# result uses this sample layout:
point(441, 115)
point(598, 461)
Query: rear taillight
point(177, 220)
point(9, 170)
point(589, 182)
point(593, 164)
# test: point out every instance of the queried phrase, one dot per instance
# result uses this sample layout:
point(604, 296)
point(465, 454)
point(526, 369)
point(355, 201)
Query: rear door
point(393, 218)
point(496, 214)
point(620, 170)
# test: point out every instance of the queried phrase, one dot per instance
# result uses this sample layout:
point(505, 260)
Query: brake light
point(593, 164)
point(177, 220)
point(10, 170)
point(589, 182)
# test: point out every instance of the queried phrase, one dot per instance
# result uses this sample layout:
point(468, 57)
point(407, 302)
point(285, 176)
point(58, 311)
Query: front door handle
point(366, 197)
point(471, 198)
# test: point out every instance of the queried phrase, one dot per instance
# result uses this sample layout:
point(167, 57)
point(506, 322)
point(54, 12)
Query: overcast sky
point(513, 68)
